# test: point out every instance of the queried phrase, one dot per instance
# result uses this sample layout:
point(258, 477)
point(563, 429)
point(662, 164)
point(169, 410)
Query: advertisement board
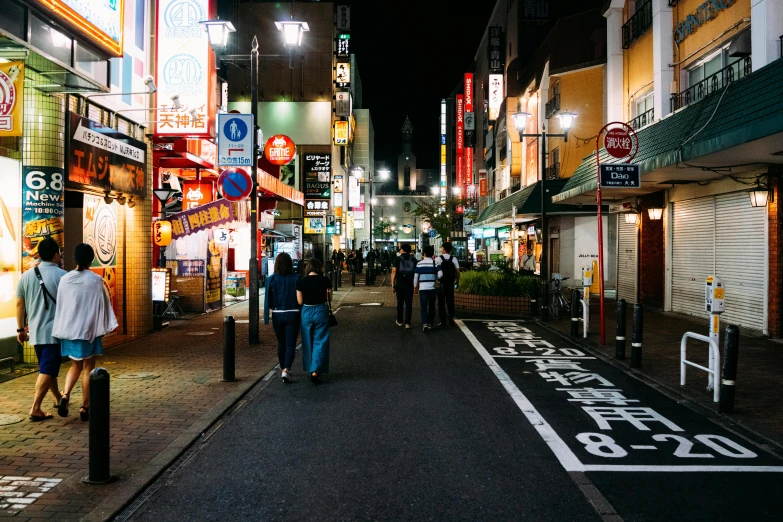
point(460, 124)
point(317, 171)
point(100, 21)
point(100, 231)
point(495, 93)
point(213, 296)
point(161, 281)
point(196, 193)
point(315, 225)
point(42, 210)
point(202, 218)
point(10, 224)
point(100, 156)
point(184, 67)
point(11, 98)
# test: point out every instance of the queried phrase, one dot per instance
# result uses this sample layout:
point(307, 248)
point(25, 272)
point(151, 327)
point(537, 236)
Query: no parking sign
point(235, 184)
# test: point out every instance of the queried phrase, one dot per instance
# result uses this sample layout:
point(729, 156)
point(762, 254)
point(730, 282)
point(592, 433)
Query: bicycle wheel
point(554, 307)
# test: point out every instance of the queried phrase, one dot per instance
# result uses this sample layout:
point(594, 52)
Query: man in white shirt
point(449, 265)
point(427, 273)
point(528, 262)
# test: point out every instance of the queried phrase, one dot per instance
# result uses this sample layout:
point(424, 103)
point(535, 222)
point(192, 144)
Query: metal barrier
point(713, 372)
point(11, 360)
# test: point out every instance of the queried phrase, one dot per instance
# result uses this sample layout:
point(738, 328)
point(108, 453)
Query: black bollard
point(638, 333)
point(619, 346)
point(99, 428)
point(727, 383)
point(229, 349)
point(534, 299)
point(575, 313)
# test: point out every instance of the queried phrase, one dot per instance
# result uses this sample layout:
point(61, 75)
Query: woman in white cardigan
point(84, 315)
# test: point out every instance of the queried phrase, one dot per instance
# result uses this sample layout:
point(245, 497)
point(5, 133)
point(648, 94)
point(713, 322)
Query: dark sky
point(410, 55)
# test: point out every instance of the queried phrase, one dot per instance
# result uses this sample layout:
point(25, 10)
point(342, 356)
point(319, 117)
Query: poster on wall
point(318, 172)
point(11, 98)
point(213, 299)
point(99, 230)
point(586, 243)
point(42, 210)
point(10, 225)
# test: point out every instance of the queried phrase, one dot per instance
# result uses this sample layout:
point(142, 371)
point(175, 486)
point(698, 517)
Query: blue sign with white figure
point(235, 140)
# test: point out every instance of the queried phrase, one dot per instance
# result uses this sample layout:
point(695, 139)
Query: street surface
point(492, 420)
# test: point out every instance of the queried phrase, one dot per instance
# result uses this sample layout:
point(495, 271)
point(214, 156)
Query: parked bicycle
point(557, 301)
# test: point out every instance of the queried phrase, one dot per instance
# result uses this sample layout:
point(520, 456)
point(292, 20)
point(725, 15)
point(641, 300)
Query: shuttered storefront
point(723, 236)
point(627, 259)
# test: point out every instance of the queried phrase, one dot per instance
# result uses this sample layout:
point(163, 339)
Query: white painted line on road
point(270, 374)
point(566, 457)
point(680, 469)
point(495, 320)
point(641, 446)
point(539, 357)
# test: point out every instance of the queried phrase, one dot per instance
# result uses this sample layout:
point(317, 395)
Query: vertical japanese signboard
point(343, 18)
point(10, 213)
point(343, 45)
point(468, 174)
point(184, 67)
point(495, 95)
point(496, 48)
point(343, 74)
point(460, 124)
point(318, 172)
point(11, 97)
point(342, 104)
point(42, 210)
point(213, 296)
point(100, 231)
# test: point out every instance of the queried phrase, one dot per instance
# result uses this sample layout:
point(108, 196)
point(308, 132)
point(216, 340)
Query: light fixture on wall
point(121, 199)
point(131, 202)
point(631, 218)
point(107, 197)
point(655, 213)
point(759, 196)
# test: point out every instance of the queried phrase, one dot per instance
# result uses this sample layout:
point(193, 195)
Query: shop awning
point(185, 154)
point(272, 186)
point(528, 204)
point(740, 127)
point(270, 232)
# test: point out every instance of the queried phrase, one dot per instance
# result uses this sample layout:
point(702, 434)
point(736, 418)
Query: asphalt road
point(451, 425)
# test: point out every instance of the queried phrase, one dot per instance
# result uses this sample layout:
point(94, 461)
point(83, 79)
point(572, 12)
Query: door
point(627, 260)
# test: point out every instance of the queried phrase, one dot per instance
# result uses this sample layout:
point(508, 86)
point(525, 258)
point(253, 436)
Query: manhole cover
point(6, 419)
point(141, 376)
point(242, 321)
point(201, 333)
point(371, 304)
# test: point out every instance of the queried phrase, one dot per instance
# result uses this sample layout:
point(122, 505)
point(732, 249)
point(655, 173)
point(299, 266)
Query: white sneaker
point(398, 323)
point(407, 326)
point(286, 378)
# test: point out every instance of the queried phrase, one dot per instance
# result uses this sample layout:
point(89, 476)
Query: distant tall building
point(406, 161)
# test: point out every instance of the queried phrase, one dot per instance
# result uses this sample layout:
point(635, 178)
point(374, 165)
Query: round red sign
point(618, 143)
point(280, 149)
point(235, 184)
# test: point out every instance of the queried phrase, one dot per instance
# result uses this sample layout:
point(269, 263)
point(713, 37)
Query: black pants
point(404, 301)
point(286, 327)
point(446, 303)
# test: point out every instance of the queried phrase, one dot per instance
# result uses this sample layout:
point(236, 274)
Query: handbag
point(332, 318)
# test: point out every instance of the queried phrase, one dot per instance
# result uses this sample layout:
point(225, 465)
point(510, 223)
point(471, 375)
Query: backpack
point(449, 271)
point(407, 267)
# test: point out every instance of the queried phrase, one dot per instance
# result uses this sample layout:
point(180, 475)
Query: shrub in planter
point(496, 283)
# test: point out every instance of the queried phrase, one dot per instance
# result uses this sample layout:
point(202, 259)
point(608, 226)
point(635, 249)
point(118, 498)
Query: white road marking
point(567, 459)
point(639, 446)
point(16, 493)
point(540, 357)
point(680, 469)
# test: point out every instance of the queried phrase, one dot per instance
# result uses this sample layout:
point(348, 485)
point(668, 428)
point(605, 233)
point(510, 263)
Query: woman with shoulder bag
point(314, 293)
point(280, 300)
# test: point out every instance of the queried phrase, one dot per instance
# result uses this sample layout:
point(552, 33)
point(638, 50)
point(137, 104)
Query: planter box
point(492, 304)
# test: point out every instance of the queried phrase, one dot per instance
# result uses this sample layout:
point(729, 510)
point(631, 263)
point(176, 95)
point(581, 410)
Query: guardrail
point(713, 372)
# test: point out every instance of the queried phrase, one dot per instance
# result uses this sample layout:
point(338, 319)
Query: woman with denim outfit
point(280, 301)
point(313, 291)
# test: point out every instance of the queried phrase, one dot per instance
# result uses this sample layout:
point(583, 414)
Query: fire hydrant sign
point(235, 137)
point(618, 143)
point(620, 175)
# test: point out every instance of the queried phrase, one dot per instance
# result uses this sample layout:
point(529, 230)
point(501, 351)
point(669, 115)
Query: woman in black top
point(280, 300)
point(313, 292)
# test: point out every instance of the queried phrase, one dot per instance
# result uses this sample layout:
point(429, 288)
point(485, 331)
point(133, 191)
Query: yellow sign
point(338, 212)
point(719, 293)
point(341, 133)
point(11, 96)
point(315, 225)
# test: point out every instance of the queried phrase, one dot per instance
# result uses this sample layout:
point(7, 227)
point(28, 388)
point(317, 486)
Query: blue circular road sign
point(235, 184)
point(235, 129)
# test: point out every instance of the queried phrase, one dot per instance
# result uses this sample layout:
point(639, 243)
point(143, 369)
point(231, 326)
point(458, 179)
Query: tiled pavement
point(166, 391)
point(758, 405)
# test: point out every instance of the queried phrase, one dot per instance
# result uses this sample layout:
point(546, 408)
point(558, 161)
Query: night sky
point(410, 55)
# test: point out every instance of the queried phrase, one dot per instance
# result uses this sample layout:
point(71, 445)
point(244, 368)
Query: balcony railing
point(516, 184)
point(637, 25)
point(710, 84)
point(552, 106)
point(503, 194)
point(643, 120)
point(553, 171)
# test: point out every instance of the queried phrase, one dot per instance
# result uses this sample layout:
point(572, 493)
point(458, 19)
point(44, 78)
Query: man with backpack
point(449, 265)
point(403, 273)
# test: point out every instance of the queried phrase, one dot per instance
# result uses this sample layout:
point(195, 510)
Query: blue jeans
point(427, 301)
point(315, 338)
point(286, 326)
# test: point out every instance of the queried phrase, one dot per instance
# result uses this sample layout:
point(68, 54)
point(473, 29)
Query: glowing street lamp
point(292, 32)
point(217, 33)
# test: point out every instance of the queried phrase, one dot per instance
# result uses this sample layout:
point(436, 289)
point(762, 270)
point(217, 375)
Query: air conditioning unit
point(740, 46)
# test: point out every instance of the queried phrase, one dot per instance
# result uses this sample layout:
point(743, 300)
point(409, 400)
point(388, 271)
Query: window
point(407, 177)
point(50, 40)
point(708, 67)
point(91, 64)
point(643, 105)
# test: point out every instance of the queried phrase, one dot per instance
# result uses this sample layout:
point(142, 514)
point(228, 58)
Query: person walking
point(370, 267)
point(528, 263)
point(427, 273)
point(281, 302)
point(84, 315)
point(313, 292)
point(351, 261)
point(403, 273)
point(35, 299)
point(451, 274)
point(359, 261)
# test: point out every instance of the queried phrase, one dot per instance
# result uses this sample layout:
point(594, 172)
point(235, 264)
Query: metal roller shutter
point(627, 260)
point(723, 236)
point(740, 259)
point(693, 253)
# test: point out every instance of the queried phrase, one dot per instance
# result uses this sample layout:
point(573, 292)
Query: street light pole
point(253, 266)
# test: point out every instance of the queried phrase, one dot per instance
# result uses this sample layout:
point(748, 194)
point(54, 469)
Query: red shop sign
point(618, 143)
point(280, 149)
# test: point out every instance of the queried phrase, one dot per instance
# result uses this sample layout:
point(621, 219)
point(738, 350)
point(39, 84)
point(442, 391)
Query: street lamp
point(520, 122)
point(292, 32)
point(759, 196)
point(384, 174)
point(217, 32)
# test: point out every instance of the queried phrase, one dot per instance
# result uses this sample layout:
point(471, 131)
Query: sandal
point(84, 415)
point(62, 408)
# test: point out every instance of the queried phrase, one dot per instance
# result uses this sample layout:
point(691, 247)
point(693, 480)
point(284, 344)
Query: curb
point(135, 484)
point(672, 392)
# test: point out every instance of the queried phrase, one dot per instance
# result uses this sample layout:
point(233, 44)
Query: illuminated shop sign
point(495, 95)
point(704, 13)
point(100, 20)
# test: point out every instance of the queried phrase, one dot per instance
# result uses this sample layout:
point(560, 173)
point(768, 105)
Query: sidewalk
point(165, 392)
point(758, 406)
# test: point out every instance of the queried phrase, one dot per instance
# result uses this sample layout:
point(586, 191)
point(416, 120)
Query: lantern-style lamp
point(217, 33)
point(758, 196)
point(520, 120)
point(292, 32)
point(631, 218)
point(655, 214)
point(161, 233)
point(566, 120)
point(384, 174)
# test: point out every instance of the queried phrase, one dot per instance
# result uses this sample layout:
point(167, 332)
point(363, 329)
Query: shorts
point(49, 359)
